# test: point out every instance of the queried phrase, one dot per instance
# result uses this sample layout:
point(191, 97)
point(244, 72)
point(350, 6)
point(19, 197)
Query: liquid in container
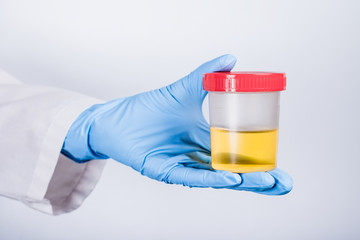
point(244, 119)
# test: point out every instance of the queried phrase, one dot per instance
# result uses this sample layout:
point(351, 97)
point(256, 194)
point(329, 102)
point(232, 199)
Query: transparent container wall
point(244, 131)
point(244, 111)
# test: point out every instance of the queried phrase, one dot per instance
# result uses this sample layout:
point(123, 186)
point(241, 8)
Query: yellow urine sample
point(243, 151)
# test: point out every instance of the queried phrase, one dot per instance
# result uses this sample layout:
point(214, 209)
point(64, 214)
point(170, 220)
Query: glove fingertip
point(283, 183)
point(229, 178)
point(284, 178)
point(268, 181)
point(257, 180)
point(227, 62)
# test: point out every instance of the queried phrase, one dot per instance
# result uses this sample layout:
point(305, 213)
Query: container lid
point(244, 81)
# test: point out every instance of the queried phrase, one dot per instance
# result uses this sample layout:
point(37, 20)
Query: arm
point(34, 121)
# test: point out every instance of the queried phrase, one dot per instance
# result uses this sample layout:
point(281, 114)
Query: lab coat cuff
point(70, 185)
point(49, 155)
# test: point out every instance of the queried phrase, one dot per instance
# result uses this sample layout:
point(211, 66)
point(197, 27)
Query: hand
point(163, 135)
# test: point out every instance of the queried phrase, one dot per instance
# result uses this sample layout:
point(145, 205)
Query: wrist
point(76, 145)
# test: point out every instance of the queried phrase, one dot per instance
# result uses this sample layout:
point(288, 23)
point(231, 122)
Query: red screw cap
point(244, 82)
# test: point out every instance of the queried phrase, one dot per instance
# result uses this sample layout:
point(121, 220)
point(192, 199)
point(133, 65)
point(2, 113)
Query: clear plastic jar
point(244, 119)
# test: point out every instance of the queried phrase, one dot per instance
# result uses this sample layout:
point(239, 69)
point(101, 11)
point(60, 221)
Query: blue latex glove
point(163, 135)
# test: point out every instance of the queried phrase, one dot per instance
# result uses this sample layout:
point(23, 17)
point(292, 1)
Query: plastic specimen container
point(244, 119)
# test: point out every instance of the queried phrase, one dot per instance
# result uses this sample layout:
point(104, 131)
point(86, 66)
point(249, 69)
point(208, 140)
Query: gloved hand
point(163, 135)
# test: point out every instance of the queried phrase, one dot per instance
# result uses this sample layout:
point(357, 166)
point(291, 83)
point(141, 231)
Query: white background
point(111, 49)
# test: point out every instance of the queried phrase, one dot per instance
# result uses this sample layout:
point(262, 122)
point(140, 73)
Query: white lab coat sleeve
point(34, 121)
